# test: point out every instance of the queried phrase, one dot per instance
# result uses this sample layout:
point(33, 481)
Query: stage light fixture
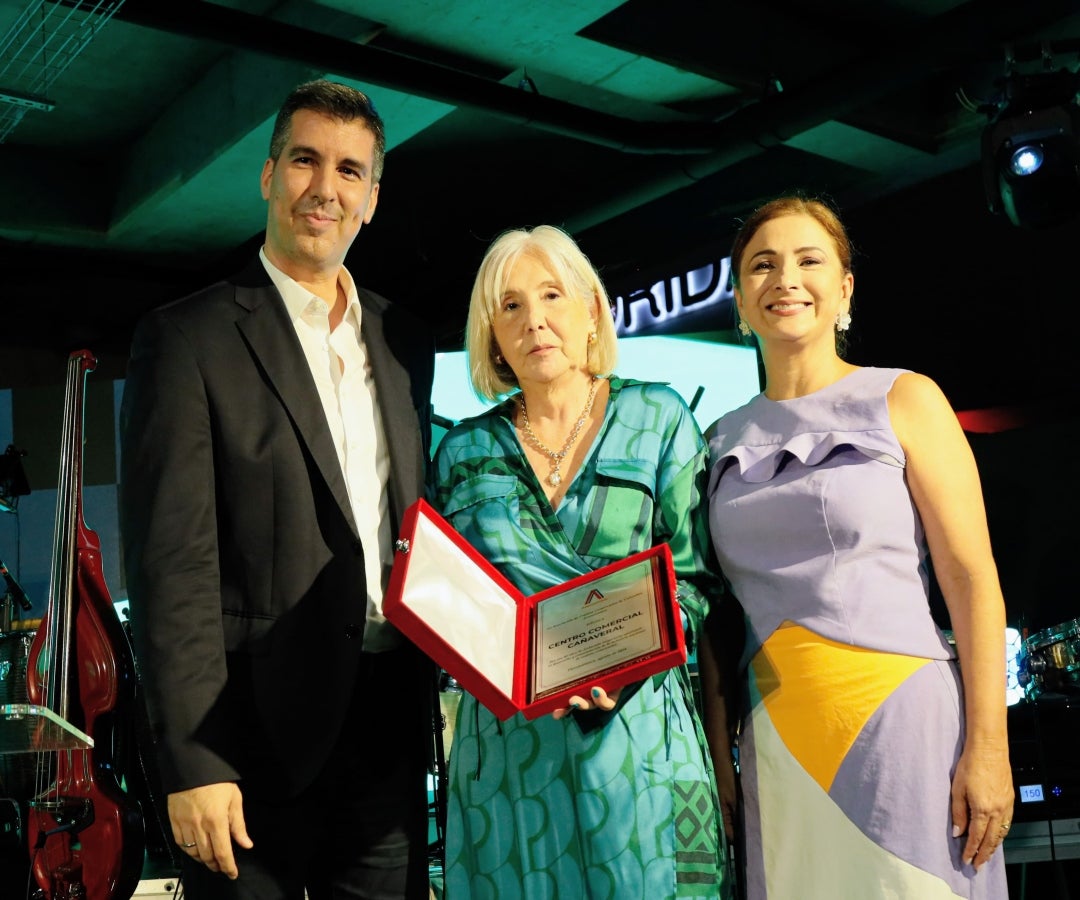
point(1031, 149)
point(1026, 160)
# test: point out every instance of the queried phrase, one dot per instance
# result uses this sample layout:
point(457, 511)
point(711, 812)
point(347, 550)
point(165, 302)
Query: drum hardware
point(14, 594)
point(14, 589)
point(449, 700)
point(448, 694)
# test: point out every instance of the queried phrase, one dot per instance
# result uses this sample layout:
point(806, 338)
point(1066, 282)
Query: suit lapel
point(273, 340)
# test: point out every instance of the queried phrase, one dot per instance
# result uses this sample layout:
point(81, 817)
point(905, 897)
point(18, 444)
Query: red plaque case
point(483, 631)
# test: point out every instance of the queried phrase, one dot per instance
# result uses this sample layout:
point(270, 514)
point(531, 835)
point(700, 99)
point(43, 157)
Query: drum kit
point(1049, 662)
point(1045, 767)
point(18, 771)
point(16, 638)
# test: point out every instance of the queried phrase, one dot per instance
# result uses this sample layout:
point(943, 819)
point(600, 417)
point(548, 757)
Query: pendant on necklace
point(554, 479)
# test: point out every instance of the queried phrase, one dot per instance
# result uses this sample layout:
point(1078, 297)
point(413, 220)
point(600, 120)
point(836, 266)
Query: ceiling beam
point(973, 30)
point(191, 141)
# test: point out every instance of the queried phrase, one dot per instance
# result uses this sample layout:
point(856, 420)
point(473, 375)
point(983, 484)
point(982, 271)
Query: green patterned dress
point(597, 805)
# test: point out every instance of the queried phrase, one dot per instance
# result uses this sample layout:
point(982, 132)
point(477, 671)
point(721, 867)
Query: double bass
point(85, 832)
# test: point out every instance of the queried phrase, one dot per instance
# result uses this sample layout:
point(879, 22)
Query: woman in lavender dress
point(873, 763)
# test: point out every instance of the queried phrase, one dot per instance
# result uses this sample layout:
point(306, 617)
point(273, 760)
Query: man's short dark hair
point(332, 99)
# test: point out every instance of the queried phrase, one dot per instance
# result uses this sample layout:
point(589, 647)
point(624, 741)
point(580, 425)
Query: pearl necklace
point(557, 456)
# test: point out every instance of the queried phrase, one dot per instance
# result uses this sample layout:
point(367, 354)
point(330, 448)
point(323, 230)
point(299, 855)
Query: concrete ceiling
point(639, 125)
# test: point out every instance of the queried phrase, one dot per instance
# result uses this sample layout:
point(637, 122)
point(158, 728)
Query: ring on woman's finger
point(188, 845)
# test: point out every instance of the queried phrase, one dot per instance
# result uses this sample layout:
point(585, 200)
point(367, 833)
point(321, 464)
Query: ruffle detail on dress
point(760, 462)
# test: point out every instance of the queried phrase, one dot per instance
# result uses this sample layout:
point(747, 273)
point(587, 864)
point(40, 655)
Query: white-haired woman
point(615, 796)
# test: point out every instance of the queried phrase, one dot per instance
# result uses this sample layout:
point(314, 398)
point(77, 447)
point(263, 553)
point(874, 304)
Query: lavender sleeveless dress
point(854, 717)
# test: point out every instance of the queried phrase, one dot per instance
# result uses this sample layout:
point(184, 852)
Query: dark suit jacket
point(245, 572)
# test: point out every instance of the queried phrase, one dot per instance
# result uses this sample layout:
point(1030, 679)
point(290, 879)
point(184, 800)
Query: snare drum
point(17, 770)
point(1050, 661)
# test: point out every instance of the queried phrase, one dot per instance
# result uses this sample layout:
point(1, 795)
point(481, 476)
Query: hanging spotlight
point(1026, 160)
point(1031, 149)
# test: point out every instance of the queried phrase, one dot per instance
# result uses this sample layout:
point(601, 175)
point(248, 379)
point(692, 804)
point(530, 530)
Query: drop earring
point(843, 320)
point(744, 329)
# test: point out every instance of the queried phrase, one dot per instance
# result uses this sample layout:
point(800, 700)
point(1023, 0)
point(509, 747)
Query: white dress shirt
point(339, 365)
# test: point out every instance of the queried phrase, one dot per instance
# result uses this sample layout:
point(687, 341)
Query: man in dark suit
point(274, 428)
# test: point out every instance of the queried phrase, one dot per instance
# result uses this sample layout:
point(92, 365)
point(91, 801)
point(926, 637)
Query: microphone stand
point(14, 594)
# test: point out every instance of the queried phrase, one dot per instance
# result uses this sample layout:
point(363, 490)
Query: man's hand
point(205, 822)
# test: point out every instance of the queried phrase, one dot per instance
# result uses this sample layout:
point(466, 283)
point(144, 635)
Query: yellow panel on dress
point(799, 674)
